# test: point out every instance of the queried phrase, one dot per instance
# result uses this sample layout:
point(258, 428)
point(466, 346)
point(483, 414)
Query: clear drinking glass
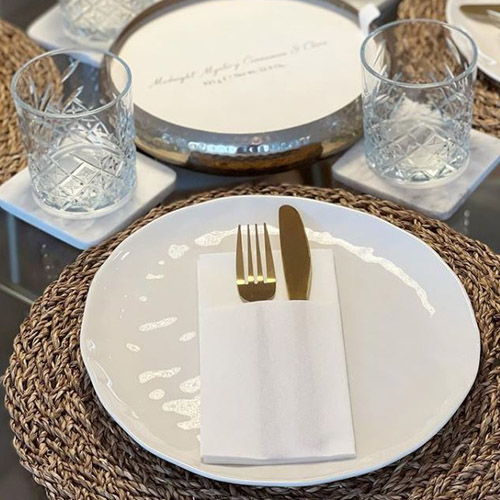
point(77, 125)
point(418, 90)
point(99, 21)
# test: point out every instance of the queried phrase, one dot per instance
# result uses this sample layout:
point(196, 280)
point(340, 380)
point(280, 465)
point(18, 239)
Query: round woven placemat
point(487, 92)
point(73, 448)
point(15, 49)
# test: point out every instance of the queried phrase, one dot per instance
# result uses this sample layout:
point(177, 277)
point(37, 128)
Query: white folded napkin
point(273, 373)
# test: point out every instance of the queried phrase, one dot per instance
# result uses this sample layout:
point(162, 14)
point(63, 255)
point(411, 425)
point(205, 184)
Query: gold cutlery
point(295, 253)
point(255, 287)
point(487, 13)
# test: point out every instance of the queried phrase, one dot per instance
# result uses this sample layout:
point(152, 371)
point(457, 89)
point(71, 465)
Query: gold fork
point(255, 287)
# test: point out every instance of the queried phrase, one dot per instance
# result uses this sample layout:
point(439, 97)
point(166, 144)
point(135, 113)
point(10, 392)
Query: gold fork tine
point(251, 278)
point(254, 288)
point(271, 276)
point(260, 274)
point(240, 269)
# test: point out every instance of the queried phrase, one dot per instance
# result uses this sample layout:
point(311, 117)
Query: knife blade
point(489, 13)
point(295, 253)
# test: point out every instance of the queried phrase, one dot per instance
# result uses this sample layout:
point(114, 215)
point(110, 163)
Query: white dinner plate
point(412, 343)
point(486, 36)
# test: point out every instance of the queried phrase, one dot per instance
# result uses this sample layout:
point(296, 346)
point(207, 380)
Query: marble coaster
point(440, 201)
point(47, 30)
point(154, 182)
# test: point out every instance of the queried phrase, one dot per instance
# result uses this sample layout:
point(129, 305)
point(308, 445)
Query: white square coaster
point(47, 30)
point(154, 182)
point(440, 201)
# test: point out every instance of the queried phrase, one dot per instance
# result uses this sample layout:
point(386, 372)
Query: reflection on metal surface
point(295, 253)
point(255, 287)
point(249, 153)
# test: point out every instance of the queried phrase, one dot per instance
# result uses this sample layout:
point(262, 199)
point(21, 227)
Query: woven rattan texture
point(15, 49)
point(487, 92)
point(73, 448)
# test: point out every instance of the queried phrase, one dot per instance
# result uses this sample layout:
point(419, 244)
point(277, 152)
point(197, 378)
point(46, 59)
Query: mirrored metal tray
point(159, 41)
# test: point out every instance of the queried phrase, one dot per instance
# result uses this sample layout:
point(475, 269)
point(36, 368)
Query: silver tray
point(242, 154)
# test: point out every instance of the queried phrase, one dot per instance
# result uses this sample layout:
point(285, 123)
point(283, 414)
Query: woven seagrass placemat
point(487, 92)
point(73, 448)
point(15, 49)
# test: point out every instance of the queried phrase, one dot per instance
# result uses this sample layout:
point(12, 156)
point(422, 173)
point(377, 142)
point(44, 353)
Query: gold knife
point(295, 253)
point(486, 13)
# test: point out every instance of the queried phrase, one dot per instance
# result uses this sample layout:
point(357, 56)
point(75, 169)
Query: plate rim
point(318, 480)
point(450, 4)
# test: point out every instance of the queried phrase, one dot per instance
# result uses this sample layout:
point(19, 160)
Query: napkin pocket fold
point(274, 380)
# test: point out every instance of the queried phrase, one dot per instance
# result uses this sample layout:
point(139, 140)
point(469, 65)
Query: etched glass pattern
point(99, 20)
point(78, 130)
point(418, 91)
